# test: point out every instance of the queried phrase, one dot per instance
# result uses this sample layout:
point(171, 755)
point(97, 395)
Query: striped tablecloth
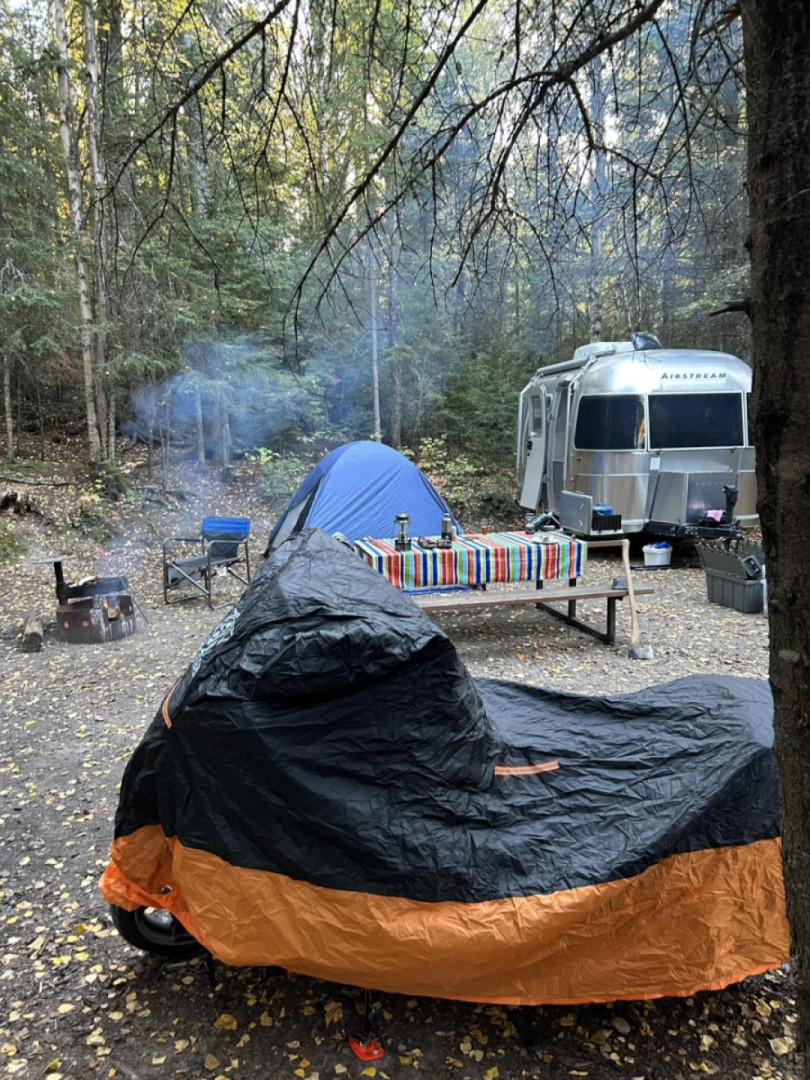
point(477, 559)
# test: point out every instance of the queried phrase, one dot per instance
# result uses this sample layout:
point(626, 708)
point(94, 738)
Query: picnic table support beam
point(608, 635)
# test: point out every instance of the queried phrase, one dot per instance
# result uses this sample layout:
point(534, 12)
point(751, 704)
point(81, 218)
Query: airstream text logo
point(691, 376)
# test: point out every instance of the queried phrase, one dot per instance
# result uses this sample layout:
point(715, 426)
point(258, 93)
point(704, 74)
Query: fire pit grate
point(93, 611)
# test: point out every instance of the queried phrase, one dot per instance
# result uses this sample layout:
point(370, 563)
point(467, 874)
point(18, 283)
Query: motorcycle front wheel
point(155, 931)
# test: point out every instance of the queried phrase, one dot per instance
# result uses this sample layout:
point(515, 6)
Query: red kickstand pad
point(366, 1051)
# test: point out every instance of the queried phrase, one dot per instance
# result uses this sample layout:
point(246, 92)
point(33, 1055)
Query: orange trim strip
point(164, 708)
point(696, 921)
point(526, 770)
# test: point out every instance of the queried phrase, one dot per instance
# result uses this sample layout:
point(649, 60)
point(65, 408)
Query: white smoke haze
point(263, 399)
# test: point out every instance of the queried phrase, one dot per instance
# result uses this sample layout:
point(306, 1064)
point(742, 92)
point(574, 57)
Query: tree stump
point(33, 632)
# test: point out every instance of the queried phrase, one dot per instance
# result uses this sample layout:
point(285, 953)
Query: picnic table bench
point(542, 598)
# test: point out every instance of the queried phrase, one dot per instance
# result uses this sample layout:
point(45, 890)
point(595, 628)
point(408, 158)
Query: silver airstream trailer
point(631, 437)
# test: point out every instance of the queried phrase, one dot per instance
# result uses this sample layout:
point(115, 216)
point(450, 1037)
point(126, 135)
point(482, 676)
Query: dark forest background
point(224, 232)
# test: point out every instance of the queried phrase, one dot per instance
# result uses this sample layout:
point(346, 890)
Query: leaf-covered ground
point(76, 1002)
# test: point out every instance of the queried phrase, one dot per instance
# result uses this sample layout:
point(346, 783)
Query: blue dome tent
point(357, 490)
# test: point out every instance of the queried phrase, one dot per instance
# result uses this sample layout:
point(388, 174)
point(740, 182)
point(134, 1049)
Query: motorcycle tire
point(155, 931)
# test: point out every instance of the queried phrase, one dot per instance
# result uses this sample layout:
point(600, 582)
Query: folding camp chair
point(222, 546)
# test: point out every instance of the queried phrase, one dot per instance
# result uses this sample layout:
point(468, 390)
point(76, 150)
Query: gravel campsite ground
point(76, 1002)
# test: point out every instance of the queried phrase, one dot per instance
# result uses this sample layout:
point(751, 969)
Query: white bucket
point(657, 556)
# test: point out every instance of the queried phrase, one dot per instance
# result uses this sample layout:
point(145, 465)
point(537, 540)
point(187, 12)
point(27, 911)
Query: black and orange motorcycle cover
point(327, 789)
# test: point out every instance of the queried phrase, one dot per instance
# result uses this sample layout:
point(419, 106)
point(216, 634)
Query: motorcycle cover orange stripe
point(335, 794)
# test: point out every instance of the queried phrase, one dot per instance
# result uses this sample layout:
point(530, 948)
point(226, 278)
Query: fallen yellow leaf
point(226, 1022)
point(333, 1011)
point(782, 1046)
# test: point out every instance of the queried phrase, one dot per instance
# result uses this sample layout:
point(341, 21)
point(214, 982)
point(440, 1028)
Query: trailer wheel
point(156, 931)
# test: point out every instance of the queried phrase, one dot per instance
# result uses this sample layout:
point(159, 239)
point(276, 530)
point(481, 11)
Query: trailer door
point(534, 448)
point(559, 420)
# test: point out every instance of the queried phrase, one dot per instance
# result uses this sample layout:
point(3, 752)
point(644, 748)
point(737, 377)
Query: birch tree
point(82, 241)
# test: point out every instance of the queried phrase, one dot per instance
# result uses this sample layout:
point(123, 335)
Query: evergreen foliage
point(283, 206)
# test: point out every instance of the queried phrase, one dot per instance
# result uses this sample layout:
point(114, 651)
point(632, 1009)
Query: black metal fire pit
point(93, 611)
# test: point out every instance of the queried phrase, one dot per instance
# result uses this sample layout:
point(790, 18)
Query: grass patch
point(26, 469)
point(10, 546)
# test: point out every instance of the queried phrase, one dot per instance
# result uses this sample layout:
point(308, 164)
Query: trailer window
point(538, 411)
point(612, 422)
point(683, 420)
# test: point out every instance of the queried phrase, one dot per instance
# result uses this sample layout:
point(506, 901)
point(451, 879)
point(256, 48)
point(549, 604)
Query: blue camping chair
point(221, 547)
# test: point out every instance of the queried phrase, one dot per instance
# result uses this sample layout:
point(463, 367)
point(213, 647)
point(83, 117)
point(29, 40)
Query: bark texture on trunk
point(98, 217)
point(598, 195)
point(67, 131)
point(777, 55)
point(375, 367)
point(7, 410)
point(199, 426)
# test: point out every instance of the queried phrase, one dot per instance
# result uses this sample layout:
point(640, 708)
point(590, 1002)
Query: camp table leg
point(572, 604)
point(610, 634)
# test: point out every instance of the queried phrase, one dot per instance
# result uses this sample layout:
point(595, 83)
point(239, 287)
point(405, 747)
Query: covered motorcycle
point(327, 789)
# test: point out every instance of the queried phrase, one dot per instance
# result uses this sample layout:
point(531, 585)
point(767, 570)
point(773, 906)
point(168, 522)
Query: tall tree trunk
point(8, 410)
point(112, 452)
point(40, 420)
point(165, 444)
point(599, 191)
point(375, 367)
point(199, 426)
point(5, 359)
point(98, 204)
point(224, 429)
point(151, 418)
point(395, 364)
point(119, 274)
point(668, 287)
point(777, 57)
point(67, 133)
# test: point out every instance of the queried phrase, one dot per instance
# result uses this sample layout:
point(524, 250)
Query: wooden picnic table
point(553, 561)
